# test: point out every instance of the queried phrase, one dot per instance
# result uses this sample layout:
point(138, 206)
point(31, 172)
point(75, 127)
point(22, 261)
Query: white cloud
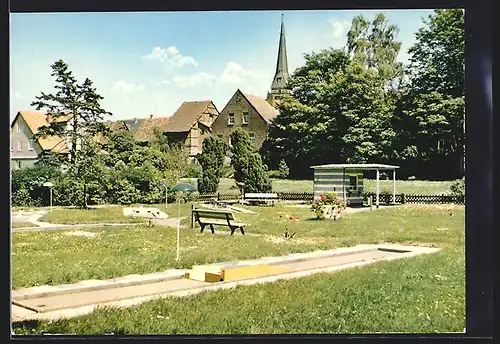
point(124, 86)
point(185, 81)
point(163, 83)
point(235, 73)
point(340, 28)
point(170, 56)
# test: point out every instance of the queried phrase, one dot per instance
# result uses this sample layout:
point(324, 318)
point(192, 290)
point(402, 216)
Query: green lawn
point(93, 215)
point(422, 294)
point(63, 258)
point(402, 186)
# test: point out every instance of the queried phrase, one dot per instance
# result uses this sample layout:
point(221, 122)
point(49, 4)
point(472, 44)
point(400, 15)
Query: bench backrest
point(214, 214)
point(261, 195)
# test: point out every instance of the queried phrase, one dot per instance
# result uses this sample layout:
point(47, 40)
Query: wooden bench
point(217, 218)
point(261, 197)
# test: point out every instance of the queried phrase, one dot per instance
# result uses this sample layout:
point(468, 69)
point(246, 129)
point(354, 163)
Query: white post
point(378, 189)
point(394, 186)
point(343, 184)
point(178, 228)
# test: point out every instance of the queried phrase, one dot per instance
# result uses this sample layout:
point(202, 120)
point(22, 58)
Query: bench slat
point(214, 214)
point(236, 224)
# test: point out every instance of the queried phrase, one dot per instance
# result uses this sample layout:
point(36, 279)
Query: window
point(246, 117)
point(18, 129)
point(353, 183)
point(278, 79)
point(252, 138)
point(31, 143)
point(230, 119)
point(19, 145)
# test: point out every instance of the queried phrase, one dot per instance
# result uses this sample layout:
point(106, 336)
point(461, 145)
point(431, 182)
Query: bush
point(457, 188)
point(121, 191)
point(385, 195)
point(193, 170)
point(281, 173)
point(127, 174)
point(275, 174)
point(283, 169)
point(29, 182)
point(21, 198)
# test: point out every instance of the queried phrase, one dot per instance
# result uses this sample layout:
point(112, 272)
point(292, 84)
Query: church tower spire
point(281, 76)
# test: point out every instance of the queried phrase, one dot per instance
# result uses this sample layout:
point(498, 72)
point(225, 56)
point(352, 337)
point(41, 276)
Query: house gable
point(191, 123)
point(187, 115)
point(23, 127)
point(240, 107)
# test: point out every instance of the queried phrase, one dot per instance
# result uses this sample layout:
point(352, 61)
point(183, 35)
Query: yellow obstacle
point(214, 273)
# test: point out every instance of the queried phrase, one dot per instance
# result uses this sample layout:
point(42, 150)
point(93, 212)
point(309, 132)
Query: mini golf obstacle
point(248, 270)
point(151, 213)
point(53, 302)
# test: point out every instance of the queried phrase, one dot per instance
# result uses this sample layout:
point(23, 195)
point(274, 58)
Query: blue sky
point(150, 62)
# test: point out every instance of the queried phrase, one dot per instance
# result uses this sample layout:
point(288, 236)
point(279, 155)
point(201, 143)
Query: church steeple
point(281, 76)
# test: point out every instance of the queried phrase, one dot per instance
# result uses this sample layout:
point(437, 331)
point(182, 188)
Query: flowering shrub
point(328, 205)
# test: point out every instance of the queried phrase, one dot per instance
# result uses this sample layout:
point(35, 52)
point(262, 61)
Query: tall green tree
point(88, 171)
point(430, 111)
point(75, 109)
point(212, 162)
point(374, 45)
point(437, 59)
point(299, 133)
point(248, 166)
point(76, 117)
point(342, 113)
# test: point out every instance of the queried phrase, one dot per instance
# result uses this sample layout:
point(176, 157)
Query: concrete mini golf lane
point(85, 298)
point(78, 299)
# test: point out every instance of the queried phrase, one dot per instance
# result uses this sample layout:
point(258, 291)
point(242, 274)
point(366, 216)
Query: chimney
point(135, 120)
point(151, 116)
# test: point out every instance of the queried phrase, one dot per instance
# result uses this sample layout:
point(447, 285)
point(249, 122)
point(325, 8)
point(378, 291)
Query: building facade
point(252, 113)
